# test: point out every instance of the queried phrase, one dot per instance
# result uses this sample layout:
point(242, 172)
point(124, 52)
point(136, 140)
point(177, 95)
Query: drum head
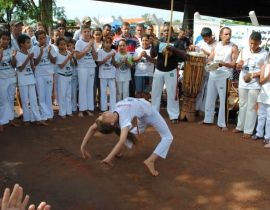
point(212, 66)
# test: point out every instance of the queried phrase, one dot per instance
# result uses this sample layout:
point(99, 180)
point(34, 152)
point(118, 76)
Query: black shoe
point(175, 121)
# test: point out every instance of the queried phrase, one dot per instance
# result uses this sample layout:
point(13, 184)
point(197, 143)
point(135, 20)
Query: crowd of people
point(82, 71)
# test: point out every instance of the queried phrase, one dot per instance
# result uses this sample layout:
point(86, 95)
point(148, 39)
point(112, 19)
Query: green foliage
point(58, 12)
point(234, 22)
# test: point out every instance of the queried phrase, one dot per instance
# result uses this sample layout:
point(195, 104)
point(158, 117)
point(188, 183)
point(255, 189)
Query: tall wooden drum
point(192, 82)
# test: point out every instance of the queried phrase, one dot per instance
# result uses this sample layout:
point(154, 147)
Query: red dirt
point(205, 169)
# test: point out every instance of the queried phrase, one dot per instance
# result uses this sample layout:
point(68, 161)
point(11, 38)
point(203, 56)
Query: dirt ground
point(205, 169)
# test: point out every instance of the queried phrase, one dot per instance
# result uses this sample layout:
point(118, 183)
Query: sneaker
point(268, 144)
point(255, 137)
point(175, 121)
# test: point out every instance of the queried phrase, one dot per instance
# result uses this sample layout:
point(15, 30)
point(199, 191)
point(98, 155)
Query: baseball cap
point(86, 19)
point(16, 23)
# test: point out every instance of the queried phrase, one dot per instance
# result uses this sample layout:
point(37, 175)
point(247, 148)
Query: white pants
point(157, 121)
point(86, 78)
point(170, 80)
point(122, 90)
point(64, 95)
point(7, 95)
point(263, 126)
point(74, 92)
point(247, 110)
point(104, 83)
point(216, 88)
point(29, 97)
point(201, 97)
point(44, 86)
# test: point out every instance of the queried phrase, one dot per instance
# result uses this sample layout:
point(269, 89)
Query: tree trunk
point(46, 13)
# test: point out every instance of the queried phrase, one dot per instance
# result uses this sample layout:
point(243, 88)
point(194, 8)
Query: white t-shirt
point(264, 95)
point(67, 69)
point(252, 63)
point(222, 53)
point(26, 76)
point(123, 73)
point(44, 67)
point(6, 70)
point(129, 108)
point(106, 70)
point(87, 60)
point(143, 66)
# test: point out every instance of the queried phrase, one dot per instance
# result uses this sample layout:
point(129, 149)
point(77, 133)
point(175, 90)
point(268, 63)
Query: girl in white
point(26, 81)
point(263, 126)
point(74, 79)
point(144, 68)
point(86, 55)
point(250, 60)
point(44, 58)
point(64, 75)
point(107, 74)
point(123, 73)
point(7, 80)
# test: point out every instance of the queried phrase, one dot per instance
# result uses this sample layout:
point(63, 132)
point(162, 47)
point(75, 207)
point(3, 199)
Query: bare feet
point(107, 162)
point(1, 128)
point(89, 113)
point(224, 129)
point(80, 114)
point(14, 124)
point(246, 136)
point(42, 123)
point(151, 167)
point(236, 131)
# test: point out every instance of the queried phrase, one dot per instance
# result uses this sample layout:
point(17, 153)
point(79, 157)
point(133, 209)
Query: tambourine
point(212, 66)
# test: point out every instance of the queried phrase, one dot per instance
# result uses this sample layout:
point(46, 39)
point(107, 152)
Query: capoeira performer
point(121, 120)
point(225, 53)
point(205, 46)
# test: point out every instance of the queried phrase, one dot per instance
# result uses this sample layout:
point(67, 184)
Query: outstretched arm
point(91, 131)
point(117, 148)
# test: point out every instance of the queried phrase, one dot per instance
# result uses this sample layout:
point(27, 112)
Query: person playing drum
point(205, 46)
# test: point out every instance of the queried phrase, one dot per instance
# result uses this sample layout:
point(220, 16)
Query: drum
point(192, 82)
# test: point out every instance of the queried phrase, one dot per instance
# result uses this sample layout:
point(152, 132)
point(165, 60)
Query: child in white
point(26, 81)
point(44, 57)
point(123, 73)
point(107, 74)
point(64, 75)
point(74, 79)
point(7, 80)
point(263, 126)
point(86, 55)
point(144, 68)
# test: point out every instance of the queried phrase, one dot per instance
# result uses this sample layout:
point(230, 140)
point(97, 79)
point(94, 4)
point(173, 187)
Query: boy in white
point(205, 47)
point(144, 68)
point(26, 81)
point(107, 74)
point(125, 112)
point(44, 58)
point(250, 60)
point(123, 73)
point(64, 75)
point(7, 80)
point(263, 126)
point(86, 55)
point(225, 52)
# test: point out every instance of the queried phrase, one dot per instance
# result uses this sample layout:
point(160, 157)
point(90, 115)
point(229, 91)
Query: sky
point(81, 8)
